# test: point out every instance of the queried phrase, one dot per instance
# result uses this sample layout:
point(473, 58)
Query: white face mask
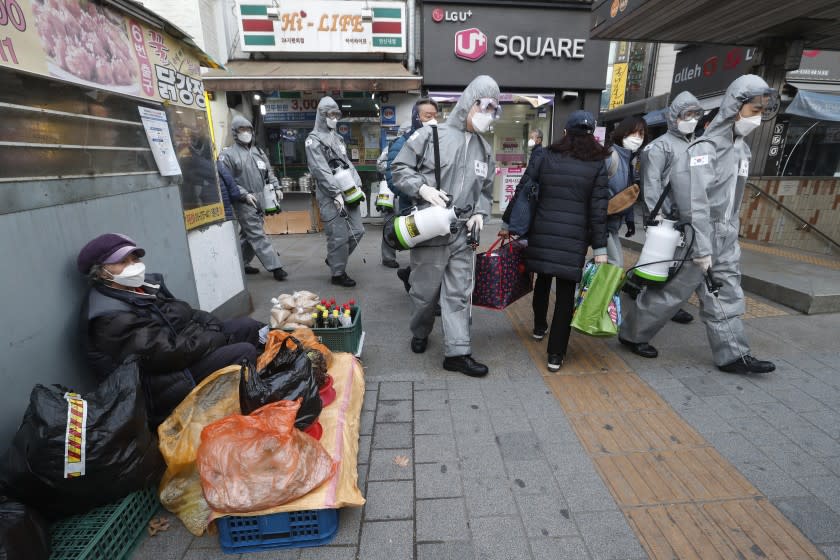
point(745, 125)
point(481, 121)
point(430, 122)
point(687, 127)
point(332, 122)
point(632, 143)
point(133, 276)
point(245, 137)
point(531, 142)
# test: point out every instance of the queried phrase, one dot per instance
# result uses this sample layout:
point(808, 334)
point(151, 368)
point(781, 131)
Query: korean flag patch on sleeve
point(699, 160)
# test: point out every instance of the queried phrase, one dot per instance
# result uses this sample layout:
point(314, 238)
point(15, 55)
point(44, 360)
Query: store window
point(194, 149)
point(811, 149)
point(289, 118)
point(509, 139)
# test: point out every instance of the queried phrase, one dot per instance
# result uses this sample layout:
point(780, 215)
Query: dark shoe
point(643, 349)
point(404, 274)
point(251, 270)
point(437, 310)
point(418, 345)
point(343, 280)
point(465, 365)
point(279, 274)
point(682, 317)
point(554, 362)
point(538, 334)
point(748, 365)
point(391, 264)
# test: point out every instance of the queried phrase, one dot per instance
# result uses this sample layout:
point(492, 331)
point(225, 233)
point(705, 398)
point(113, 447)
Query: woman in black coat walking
point(571, 216)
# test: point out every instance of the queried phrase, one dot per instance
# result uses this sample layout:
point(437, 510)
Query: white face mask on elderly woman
point(133, 276)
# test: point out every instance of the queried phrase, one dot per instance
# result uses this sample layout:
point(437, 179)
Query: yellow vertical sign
point(619, 85)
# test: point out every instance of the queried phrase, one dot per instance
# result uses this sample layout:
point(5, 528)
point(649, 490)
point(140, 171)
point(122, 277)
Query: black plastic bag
point(73, 453)
point(24, 534)
point(287, 377)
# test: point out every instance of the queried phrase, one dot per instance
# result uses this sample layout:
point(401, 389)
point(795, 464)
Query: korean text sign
point(92, 45)
point(322, 26)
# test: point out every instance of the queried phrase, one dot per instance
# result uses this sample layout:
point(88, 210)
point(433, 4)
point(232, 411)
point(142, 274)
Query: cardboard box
point(289, 222)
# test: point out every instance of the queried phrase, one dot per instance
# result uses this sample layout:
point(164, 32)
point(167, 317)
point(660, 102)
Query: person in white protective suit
point(707, 188)
point(251, 170)
point(325, 153)
point(657, 160)
point(445, 263)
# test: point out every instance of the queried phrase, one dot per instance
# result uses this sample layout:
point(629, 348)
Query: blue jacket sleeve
point(230, 192)
point(393, 151)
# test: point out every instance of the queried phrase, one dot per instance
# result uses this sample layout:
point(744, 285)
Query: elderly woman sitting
point(128, 311)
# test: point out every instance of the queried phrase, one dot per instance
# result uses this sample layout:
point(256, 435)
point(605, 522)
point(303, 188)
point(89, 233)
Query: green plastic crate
point(344, 339)
point(106, 533)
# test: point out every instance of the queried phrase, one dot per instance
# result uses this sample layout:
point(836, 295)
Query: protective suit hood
point(681, 102)
point(738, 92)
point(481, 86)
point(239, 121)
point(326, 105)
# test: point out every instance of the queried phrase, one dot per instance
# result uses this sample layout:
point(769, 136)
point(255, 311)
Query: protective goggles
point(767, 100)
point(692, 114)
point(334, 115)
point(489, 105)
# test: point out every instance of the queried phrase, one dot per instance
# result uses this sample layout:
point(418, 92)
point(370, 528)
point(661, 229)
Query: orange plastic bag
point(274, 341)
point(251, 463)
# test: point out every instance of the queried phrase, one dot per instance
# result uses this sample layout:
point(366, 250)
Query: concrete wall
point(42, 292)
point(665, 59)
point(815, 199)
point(186, 14)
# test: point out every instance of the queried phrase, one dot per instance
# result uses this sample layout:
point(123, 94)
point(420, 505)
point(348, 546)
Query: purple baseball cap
point(108, 248)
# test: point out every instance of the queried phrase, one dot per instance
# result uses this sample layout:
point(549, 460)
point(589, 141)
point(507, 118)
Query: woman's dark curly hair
point(580, 144)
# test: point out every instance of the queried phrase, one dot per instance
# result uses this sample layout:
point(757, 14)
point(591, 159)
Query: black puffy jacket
point(571, 214)
point(166, 333)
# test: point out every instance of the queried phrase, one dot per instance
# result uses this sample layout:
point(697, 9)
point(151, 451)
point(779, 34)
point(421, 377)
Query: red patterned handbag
point(500, 276)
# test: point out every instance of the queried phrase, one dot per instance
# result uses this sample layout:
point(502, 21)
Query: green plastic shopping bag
point(597, 304)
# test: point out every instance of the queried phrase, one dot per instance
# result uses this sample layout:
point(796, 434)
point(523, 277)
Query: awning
point(247, 75)
point(821, 87)
point(639, 107)
point(817, 106)
point(735, 22)
point(711, 103)
point(534, 99)
point(656, 118)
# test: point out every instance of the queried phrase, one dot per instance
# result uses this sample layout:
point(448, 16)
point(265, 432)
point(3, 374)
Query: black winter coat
point(571, 214)
point(166, 333)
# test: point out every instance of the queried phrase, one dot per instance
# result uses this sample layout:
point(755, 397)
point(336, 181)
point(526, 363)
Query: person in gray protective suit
point(251, 170)
point(657, 160)
point(325, 150)
point(445, 263)
point(707, 187)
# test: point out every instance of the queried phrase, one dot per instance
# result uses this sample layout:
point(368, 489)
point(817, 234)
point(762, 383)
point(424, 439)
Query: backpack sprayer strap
point(655, 212)
point(436, 149)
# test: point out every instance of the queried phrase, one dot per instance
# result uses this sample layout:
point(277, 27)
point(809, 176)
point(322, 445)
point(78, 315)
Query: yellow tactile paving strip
point(755, 309)
point(681, 497)
point(792, 254)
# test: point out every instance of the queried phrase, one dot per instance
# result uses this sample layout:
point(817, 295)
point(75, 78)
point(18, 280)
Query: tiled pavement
point(495, 468)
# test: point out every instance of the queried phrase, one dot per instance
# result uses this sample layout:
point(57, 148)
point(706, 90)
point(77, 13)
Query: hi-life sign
point(518, 47)
point(321, 26)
